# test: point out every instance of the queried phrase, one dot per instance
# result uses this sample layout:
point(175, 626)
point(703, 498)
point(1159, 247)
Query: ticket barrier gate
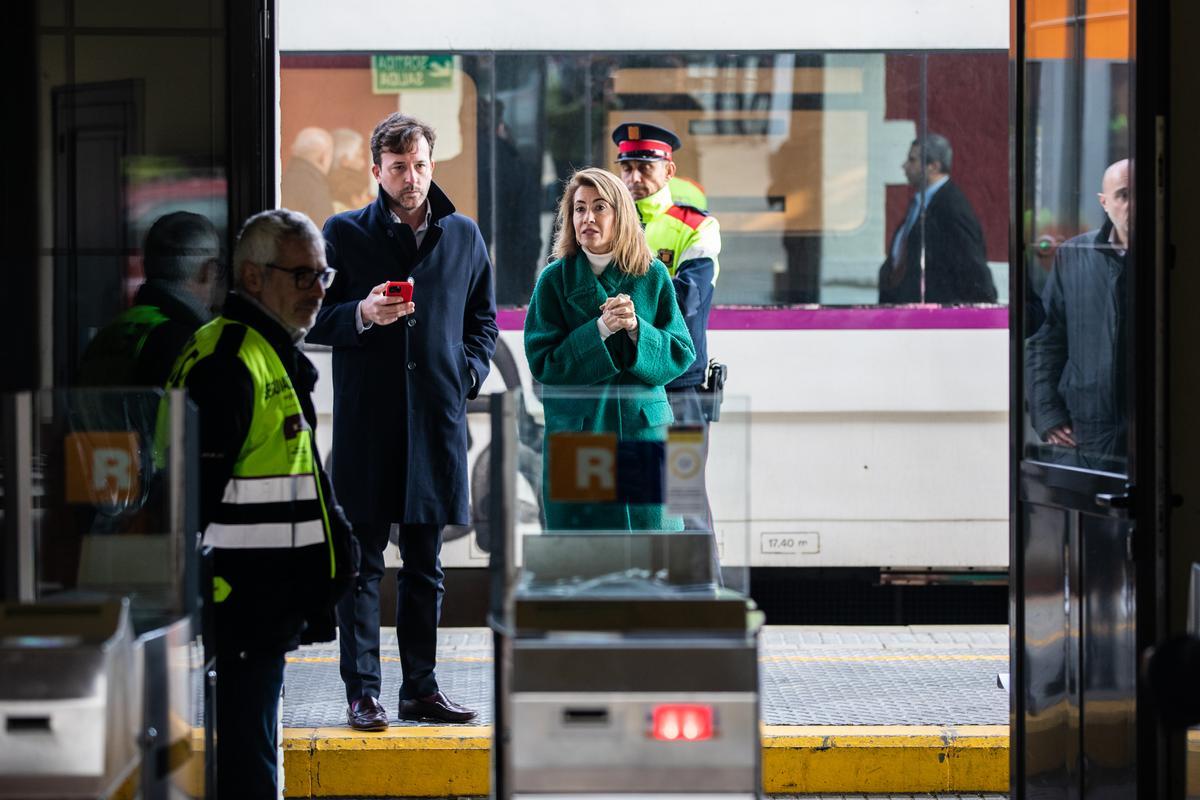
point(618, 692)
point(625, 667)
point(70, 699)
point(100, 664)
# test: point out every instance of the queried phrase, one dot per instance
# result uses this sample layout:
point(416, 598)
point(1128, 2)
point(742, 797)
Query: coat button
point(412, 365)
point(412, 321)
point(391, 233)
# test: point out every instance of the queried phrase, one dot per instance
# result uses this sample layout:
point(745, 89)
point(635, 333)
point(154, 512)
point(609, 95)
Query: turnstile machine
point(620, 689)
point(625, 668)
point(70, 700)
point(100, 664)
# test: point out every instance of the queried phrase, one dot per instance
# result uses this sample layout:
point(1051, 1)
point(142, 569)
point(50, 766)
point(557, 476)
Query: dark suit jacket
point(956, 269)
point(400, 390)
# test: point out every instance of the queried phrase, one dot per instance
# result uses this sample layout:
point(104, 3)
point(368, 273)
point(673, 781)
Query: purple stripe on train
point(798, 318)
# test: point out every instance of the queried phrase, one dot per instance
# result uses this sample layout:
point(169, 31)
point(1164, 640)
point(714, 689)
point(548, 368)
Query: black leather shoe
point(366, 714)
point(436, 707)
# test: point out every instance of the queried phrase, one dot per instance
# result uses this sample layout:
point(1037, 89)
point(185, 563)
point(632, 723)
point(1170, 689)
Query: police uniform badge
point(666, 256)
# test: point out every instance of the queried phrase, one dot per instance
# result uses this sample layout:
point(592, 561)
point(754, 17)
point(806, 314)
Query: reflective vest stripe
point(273, 498)
point(283, 489)
point(258, 513)
point(265, 535)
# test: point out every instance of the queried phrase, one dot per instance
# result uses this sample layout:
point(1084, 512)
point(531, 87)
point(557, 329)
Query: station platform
point(845, 710)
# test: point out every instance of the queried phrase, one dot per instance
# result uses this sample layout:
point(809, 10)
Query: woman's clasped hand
point(618, 312)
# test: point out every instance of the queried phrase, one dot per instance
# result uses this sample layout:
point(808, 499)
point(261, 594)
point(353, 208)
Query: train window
point(800, 156)
point(330, 104)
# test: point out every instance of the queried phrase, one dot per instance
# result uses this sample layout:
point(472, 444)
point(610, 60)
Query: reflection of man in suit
point(349, 178)
point(304, 186)
point(937, 254)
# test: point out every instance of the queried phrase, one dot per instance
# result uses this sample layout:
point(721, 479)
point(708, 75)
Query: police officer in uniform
point(687, 239)
point(280, 545)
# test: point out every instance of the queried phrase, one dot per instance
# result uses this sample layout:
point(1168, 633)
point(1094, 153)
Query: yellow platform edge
point(454, 761)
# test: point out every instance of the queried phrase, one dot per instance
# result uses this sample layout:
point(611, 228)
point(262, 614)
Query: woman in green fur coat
point(603, 334)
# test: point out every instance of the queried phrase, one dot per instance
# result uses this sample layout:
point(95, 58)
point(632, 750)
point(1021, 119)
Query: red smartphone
point(401, 289)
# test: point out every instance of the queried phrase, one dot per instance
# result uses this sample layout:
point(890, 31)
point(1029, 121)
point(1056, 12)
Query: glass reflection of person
point(304, 186)
point(1075, 362)
point(604, 316)
point(937, 254)
point(517, 234)
point(349, 178)
point(181, 259)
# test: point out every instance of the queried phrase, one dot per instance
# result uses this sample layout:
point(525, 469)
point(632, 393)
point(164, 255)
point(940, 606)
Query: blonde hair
point(630, 250)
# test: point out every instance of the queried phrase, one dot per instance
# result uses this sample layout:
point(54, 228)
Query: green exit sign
point(391, 74)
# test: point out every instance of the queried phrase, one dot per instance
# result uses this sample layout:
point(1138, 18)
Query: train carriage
point(877, 434)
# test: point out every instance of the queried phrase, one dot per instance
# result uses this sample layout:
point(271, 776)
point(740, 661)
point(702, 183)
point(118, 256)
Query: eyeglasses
point(305, 277)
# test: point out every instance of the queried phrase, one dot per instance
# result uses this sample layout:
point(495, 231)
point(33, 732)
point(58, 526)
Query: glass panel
point(1051, 716)
point(105, 502)
point(625, 498)
point(1110, 657)
point(529, 121)
point(1076, 229)
point(140, 132)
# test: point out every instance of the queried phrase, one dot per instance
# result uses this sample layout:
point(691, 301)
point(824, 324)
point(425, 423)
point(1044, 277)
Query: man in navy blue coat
point(402, 373)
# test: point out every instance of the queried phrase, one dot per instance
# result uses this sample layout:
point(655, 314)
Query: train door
point(1086, 562)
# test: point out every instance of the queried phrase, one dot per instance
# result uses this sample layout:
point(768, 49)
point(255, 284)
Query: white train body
point(876, 437)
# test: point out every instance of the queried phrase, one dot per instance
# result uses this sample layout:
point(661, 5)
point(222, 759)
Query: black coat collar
point(1103, 240)
point(239, 309)
point(172, 306)
point(439, 207)
point(302, 371)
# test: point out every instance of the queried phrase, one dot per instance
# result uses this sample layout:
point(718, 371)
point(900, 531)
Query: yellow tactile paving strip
point(854, 674)
point(455, 761)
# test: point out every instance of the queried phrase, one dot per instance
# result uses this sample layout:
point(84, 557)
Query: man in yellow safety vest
point(281, 547)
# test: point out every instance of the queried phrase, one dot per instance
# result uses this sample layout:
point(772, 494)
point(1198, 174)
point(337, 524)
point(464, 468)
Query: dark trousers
point(419, 591)
point(248, 687)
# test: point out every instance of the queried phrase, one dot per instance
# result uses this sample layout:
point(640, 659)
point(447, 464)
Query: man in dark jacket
point(402, 374)
point(181, 259)
point(281, 548)
point(937, 255)
point(1075, 362)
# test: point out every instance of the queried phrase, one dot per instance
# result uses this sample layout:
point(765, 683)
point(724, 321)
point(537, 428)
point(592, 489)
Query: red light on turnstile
point(686, 723)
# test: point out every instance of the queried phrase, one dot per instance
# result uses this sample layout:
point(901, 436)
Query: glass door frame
point(1142, 496)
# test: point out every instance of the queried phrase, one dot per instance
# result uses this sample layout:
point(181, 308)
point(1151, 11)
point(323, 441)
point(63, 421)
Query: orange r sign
point(102, 467)
point(583, 467)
